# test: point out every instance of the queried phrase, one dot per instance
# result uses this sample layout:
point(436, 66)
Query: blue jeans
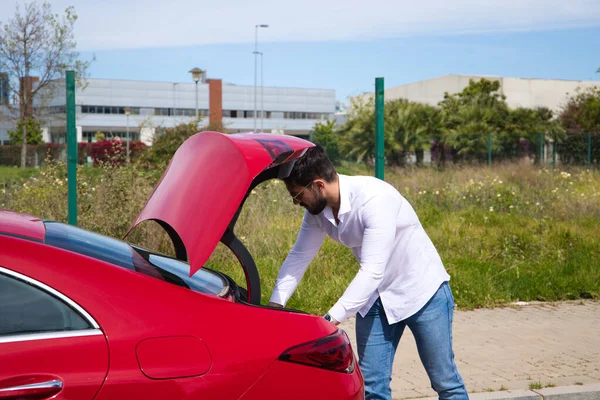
point(432, 328)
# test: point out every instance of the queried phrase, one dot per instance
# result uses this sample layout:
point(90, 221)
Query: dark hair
point(314, 164)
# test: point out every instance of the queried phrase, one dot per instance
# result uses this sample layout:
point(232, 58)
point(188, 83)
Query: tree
point(165, 145)
point(467, 128)
point(527, 124)
point(325, 135)
point(431, 121)
point(405, 130)
point(33, 129)
point(470, 116)
point(358, 131)
point(36, 48)
point(580, 116)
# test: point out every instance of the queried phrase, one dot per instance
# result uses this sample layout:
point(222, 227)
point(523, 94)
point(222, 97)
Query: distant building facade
point(145, 108)
point(519, 92)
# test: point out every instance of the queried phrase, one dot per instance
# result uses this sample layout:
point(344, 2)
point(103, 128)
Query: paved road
point(555, 344)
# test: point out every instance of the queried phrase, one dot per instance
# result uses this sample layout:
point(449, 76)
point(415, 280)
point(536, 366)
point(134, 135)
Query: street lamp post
point(262, 104)
point(127, 112)
point(255, 62)
point(173, 113)
point(196, 75)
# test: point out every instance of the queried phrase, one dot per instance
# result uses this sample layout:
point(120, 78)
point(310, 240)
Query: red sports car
point(84, 316)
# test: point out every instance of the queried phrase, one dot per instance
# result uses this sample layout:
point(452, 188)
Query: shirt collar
point(344, 186)
point(345, 206)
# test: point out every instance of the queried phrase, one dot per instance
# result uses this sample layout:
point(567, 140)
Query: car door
point(49, 346)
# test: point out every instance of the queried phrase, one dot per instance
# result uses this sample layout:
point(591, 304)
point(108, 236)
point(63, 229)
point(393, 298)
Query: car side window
point(25, 308)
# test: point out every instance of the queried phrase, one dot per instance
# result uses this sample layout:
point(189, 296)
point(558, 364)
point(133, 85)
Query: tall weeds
point(506, 233)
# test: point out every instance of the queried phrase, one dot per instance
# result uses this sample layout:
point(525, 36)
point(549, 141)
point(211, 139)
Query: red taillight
point(332, 352)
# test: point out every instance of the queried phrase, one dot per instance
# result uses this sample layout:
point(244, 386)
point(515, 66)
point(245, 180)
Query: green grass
point(15, 173)
point(507, 233)
point(535, 385)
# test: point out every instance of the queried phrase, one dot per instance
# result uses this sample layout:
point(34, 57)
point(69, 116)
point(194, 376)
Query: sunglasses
point(297, 196)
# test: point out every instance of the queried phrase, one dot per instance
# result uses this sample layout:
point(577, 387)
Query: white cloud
point(112, 24)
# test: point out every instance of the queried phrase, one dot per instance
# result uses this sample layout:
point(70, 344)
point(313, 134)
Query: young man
point(401, 281)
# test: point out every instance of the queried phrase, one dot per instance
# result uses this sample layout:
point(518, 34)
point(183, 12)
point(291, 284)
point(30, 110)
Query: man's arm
point(307, 244)
point(379, 216)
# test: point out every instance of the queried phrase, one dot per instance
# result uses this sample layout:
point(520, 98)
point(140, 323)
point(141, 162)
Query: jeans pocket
point(375, 309)
point(449, 295)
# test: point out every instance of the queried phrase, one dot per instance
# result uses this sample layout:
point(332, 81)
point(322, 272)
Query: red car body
point(83, 316)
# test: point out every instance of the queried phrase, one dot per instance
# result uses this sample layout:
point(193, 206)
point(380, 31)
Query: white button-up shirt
point(398, 261)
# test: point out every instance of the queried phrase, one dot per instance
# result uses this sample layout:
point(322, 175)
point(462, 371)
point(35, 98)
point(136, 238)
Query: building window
point(88, 109)
point(90, 136)
point(162, 111)
point(303, 115)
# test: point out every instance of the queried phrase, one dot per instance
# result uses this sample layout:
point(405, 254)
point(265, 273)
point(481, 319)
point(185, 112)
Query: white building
point(101, 106)
point(519, 92)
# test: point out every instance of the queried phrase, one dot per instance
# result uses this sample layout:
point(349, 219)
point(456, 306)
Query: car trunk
point(200, 195)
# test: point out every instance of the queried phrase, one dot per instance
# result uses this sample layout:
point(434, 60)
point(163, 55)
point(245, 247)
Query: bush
point(112, 151)
point(34, 132)
point(165, 145)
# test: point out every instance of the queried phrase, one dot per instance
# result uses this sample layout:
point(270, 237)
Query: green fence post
point(489, 149)
point(379, 120)
point(589, 149)
point(541, 149)
point(71, 148)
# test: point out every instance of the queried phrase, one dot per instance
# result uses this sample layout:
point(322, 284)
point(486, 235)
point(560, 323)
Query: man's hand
point(271, 304)
point(331, 320)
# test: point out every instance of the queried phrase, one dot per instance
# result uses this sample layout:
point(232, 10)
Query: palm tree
point(405, 130)
point(431, 120)
point(468, 133)
point(468, 123)
point(358, 133)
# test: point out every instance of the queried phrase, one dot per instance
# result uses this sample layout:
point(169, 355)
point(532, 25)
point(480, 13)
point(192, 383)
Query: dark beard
point(318, 207)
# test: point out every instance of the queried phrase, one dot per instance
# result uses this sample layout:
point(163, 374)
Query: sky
point(340, 45)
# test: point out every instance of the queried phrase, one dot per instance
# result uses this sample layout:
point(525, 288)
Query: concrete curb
point(579, 392)
point(505, 394)
point(583, 392)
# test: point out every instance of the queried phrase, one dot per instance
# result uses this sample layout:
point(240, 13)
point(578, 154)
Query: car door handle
point(36, 390)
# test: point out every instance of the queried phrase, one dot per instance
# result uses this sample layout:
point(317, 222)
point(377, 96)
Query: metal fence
point(574, 149)
point(87, 153)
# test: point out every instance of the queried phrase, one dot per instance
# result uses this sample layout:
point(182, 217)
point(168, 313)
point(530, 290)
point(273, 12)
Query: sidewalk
point(508, 350)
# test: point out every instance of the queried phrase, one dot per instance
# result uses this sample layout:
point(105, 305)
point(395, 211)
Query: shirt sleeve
point(307, 244)
point(379, 216)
